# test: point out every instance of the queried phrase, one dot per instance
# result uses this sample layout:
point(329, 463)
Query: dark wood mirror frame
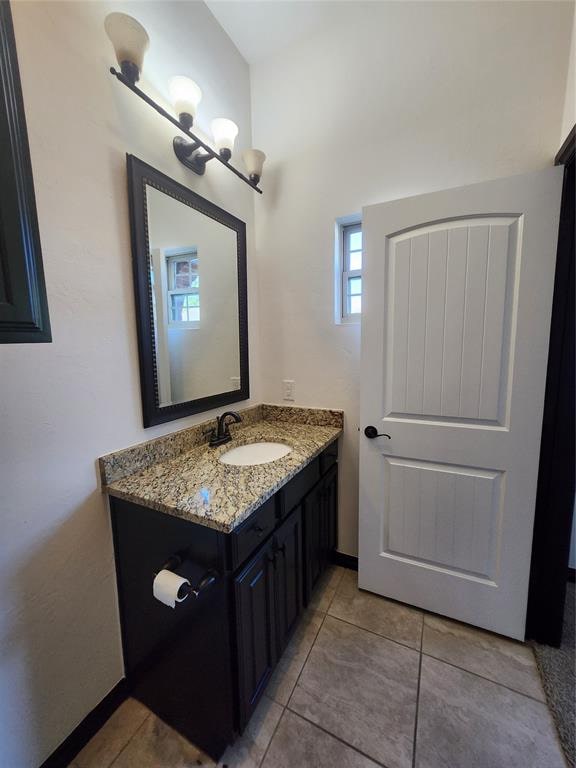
point(23, 303)
point(140, 175)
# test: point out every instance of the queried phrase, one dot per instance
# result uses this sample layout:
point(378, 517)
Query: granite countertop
point(194, 485)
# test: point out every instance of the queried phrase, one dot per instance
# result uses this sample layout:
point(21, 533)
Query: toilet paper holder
point(204, 583)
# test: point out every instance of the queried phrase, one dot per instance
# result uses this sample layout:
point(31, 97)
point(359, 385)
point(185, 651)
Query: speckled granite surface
point(319, 417)
point(182, 476)
point(119, 464)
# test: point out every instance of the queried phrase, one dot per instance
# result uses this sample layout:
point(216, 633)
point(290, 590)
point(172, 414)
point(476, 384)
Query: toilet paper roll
point(165, 588)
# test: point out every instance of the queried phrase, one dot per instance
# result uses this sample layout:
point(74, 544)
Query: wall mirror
point(189, 259)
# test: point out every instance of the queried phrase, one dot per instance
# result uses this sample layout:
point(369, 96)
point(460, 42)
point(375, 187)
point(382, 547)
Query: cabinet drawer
point(256, 529)
point(294, 491)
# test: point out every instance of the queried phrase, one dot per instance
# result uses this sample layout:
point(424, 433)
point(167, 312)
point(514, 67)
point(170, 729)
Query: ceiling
point(260, 28)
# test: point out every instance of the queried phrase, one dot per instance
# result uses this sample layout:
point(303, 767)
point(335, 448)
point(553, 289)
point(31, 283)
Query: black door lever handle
point(371, 432)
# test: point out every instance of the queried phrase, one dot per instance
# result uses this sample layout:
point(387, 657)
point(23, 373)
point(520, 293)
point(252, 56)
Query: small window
point(351, 260)
point(183, 289)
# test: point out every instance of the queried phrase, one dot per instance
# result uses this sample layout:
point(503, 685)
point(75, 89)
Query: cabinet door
point(330, 511)
point(288, 577)
point(312, 513)
point(254, 597)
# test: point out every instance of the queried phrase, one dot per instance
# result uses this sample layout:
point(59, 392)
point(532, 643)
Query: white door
point(457, 299)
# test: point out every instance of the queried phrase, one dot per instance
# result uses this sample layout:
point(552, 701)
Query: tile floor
point(367, 682)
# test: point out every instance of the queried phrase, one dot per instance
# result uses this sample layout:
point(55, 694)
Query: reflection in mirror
point(194, 279)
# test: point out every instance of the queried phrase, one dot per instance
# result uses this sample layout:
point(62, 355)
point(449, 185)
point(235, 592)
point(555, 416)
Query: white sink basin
point(255, 453)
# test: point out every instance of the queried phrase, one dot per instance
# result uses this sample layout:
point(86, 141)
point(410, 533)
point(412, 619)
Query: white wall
point(569, 112)
point(64, 404)
point(395, 99)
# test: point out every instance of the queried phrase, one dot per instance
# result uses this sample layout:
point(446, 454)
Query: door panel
point(450, 302)
point(455, 324)
point(445, 515)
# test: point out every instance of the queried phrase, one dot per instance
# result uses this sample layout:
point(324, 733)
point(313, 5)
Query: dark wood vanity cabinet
point(255, 625)
point(288, 577)
point(268, 602)
point(320, 514)
point(203, 666)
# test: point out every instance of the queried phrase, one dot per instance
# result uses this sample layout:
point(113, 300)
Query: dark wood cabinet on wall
point(204, 666)
point(23, 302)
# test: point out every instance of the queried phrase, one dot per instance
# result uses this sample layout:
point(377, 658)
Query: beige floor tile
point(385, 617)
point(465, 721)
point(113, 736)
point(156, 745)
point(290, 665)
point(249, 749)
point(496, 658)
point(299, 744)
point(361, 688)
point(326, 589)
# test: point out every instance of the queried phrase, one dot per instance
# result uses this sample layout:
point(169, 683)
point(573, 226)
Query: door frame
point(555, 493)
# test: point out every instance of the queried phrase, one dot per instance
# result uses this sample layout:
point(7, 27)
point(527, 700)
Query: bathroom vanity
point(252, 540)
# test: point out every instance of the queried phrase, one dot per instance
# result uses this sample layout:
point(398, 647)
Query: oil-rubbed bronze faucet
point(221, 434)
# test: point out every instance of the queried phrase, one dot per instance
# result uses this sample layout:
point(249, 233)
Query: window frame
point(171, 259)
point(346, 230)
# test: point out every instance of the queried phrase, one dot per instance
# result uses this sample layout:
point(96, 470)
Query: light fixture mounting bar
point(134, 88)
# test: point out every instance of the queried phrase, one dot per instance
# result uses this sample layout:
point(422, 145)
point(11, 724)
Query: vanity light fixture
point(131, 41)
point(224, 132)
point(253, 160)
point(186, 96)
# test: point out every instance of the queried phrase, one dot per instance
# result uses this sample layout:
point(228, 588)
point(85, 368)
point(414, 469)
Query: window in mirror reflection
point(183, 289)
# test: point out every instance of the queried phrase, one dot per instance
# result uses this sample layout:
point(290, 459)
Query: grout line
point(131, 738)
point(377, 634)
point(285, 706)
point(487, 679)
point(417, 699)
point(298, 714)
point(260, 762)
point(338, 738)
point(330, 603)
point(306, 659)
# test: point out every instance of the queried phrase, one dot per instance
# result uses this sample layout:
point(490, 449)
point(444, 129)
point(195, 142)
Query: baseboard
point(94, 720)
point(572, 575)
point(346, 561)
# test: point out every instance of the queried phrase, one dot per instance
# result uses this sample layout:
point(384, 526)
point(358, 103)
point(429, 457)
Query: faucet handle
point(209, 433)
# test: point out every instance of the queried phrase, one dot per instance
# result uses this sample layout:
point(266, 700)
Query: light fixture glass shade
point(254, 161)
point(224, 132)
point(185, 95)
point(129, 38)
